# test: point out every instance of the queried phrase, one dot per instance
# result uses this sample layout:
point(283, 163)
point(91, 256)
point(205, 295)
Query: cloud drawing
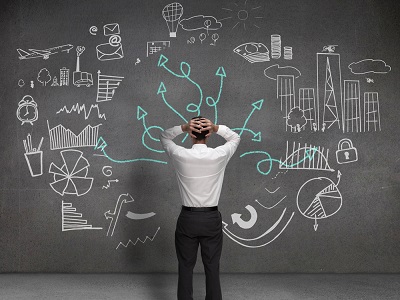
point(369, 65)
point(273, 71)
point(200, 22)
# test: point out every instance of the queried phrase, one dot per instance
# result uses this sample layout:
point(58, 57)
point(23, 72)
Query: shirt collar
point(199, 146)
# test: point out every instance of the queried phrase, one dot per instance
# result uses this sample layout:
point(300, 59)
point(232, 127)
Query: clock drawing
point(27, 111)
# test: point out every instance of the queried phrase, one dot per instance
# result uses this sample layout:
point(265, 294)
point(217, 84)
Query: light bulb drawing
point(214, 37)
point(172, 14)
point(202, 37)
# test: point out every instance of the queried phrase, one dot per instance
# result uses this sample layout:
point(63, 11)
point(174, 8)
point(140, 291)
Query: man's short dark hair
point(202, 135)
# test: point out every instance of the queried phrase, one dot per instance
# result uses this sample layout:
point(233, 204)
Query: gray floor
point(163, 286)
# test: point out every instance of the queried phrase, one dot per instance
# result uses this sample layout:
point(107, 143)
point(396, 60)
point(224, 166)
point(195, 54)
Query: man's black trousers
point(194, 228)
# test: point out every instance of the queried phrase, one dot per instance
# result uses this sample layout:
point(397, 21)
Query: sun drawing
point(243, 14)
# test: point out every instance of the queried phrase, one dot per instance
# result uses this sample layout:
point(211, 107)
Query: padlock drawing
point(346, 153)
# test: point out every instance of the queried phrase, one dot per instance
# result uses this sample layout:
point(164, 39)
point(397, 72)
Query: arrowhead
point(141, 113)
point(221, 72)
point(107, 213)
point(162, 60)
point(116, 180)
point(101, 144)
point(235, 218)
point(257, 105)
point(339, 174)
point(315, 227)
point(161, 88)
point(257, 137)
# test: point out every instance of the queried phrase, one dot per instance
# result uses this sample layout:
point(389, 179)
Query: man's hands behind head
point(199, 125)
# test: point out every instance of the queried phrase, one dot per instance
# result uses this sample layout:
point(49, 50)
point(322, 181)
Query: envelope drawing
point(109, 52)
point(111, 29)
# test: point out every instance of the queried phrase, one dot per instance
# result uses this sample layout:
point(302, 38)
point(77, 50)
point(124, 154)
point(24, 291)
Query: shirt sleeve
point(232, 140)
point(166, 138)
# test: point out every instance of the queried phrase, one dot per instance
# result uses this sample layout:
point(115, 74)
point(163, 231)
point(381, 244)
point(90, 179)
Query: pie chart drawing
point(319, 198)
point(71, 177)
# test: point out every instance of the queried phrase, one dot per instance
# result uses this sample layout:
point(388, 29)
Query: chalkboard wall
point(311, 87)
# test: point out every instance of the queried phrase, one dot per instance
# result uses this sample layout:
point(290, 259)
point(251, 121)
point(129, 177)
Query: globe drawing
point(319, 198)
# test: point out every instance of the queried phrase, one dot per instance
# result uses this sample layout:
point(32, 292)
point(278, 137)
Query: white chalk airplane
point(34, 53)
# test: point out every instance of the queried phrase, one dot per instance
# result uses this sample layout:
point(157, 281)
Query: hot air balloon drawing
point(172, 14)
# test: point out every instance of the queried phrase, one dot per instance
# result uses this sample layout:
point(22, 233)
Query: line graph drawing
point(157, 46)
point(71, 220)
point(264, 239)
point(172, 13)
point(109, 183)
point(139, 240)
point(326, 200)
point(242, 14)
point(351, 109)
point(81, 108)
point(72, 176)
point(61, 137)
point(253, 52)
point(372, 116)
point(106, 86)
point(297, 158)
point(114, 216)
point(256, 136)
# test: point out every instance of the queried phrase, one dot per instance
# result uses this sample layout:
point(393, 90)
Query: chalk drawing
point(202, 37)
point(215, 38)
point(329, 48)
point(191, 40)
point(276, 46)
point(325, 202)
point(369, 65)
point(237, 218)
point(273, 191)
point(32, 84)
point(81, 108)
point(372, 116)
point(346, 153)
point(258, 242)
point(93, 30)
point(71, 220)
point(200, 22)
point(138, 240)
point(71, 178)
point(253, 52)
point(113, 49)
point(27, 111)
point(297, 158)
point(61, 137)
point(137, 61)
point(45, 54)
point(64, 76)
point(157, 46)
point(351, 109)
point(296, 119)
point(81, 78)
point(256, 136)
point(109, 183)
point(272, 72)
point(21, 83)
point(113, 216)
point(136, 216)
point(287, 52)
point(308, 156)
point(141, 115)
point(102, 145)
point(33, 156)
point(329, 89)
point(44, 76)
point(55, 82)
point(106, 86)
point(369, 80)
point(308, 106)
point(242, 14)
point(271, 207)
point(107, 171)
point(172, 14)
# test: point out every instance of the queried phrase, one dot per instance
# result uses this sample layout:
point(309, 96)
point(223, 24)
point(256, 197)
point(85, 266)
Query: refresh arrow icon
point(237, 218)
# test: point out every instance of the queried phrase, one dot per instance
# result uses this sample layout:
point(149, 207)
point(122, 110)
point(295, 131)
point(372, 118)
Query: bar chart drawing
point(106, 86)
point(62, 138)
point(351, 106)
point(157, 46)
point(372, 117)
point(297, 158)
point(71, 220)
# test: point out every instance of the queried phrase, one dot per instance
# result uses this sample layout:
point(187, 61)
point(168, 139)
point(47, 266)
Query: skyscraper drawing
point(64, 76)
point(307, 104)
point(372, 117)
point(351, 109)
point(285, 93)
point(329, 89)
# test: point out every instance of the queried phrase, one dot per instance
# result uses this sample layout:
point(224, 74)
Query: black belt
point(210, 208)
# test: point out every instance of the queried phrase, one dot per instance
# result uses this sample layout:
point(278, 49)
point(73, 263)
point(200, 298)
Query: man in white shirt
point(200, 173)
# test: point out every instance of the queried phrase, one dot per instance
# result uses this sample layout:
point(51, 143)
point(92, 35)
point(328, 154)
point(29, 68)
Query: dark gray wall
point(361, 235)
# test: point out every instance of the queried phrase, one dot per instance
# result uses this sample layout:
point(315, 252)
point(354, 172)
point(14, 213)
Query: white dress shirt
point(200, 169)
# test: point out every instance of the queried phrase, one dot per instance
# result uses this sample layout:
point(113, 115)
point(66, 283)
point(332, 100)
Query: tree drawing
point(44, 76)
point(296, 119)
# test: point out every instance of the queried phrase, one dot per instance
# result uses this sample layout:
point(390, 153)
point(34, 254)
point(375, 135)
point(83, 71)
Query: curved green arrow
point(141, 114)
